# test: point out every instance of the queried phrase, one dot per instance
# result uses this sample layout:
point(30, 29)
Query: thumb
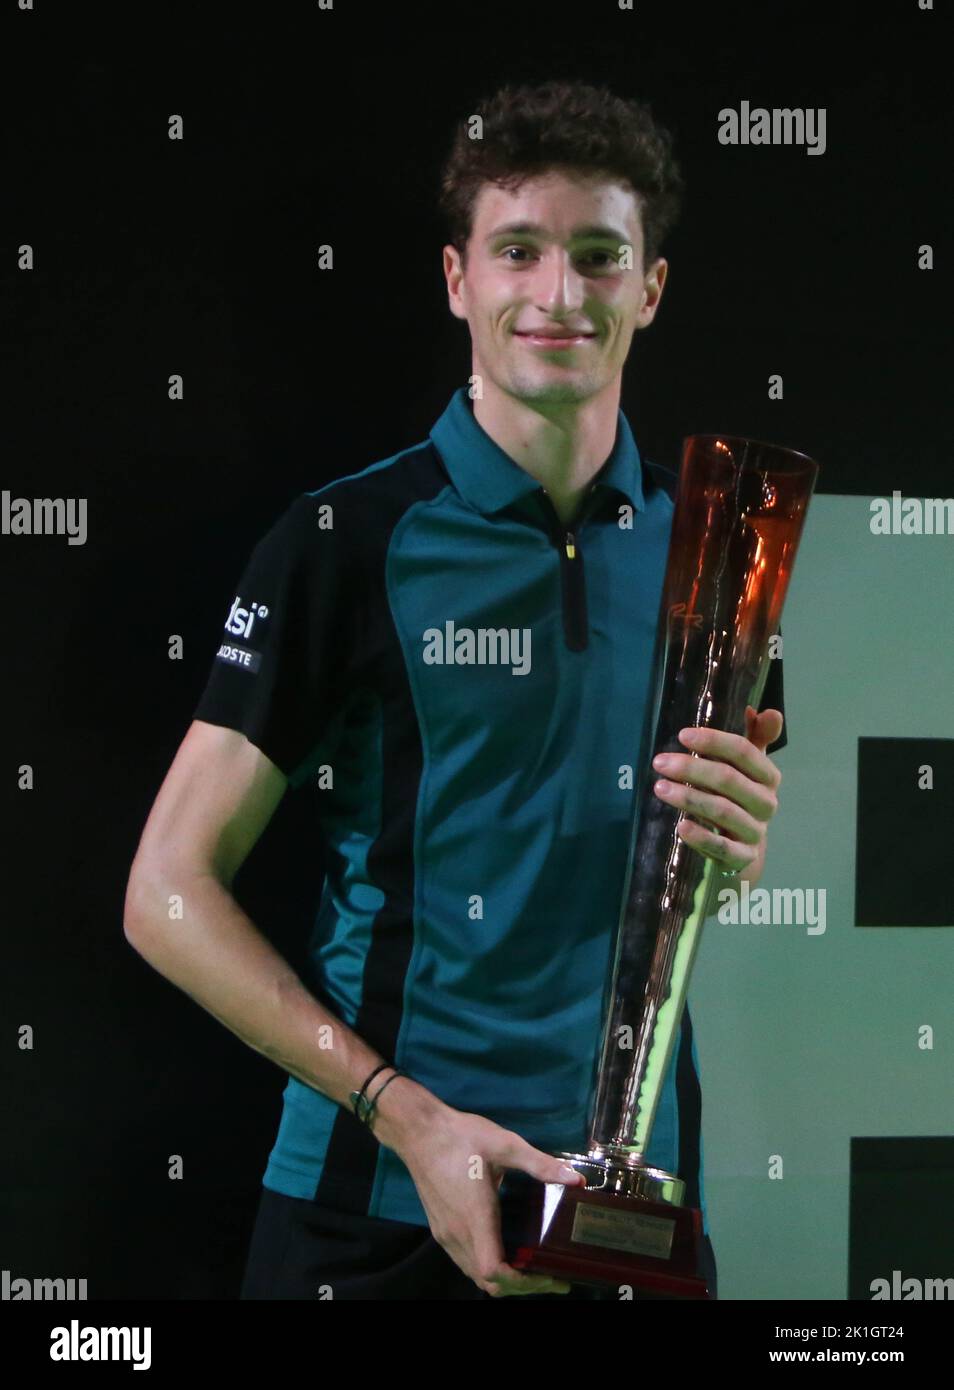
point(763, 728)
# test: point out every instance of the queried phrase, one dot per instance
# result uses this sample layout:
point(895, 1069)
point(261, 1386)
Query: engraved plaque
point(636, 1232)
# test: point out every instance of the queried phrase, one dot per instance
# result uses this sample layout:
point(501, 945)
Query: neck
point(563, 446)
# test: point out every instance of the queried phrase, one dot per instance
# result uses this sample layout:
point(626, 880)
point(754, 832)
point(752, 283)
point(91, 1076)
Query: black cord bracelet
point(364, 1107)
point(372, 1104)
point(359, 1100)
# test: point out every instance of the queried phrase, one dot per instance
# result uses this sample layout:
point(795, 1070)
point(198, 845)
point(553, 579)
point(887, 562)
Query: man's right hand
point(458, 1161)
point(218, 795)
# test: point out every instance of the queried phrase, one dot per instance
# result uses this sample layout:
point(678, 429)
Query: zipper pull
point(570, 546)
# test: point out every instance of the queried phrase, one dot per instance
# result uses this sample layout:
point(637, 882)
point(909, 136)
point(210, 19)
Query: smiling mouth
point(555, 341)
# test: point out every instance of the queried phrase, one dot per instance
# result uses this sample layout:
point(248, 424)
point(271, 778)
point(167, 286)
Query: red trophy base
point(606, 1237)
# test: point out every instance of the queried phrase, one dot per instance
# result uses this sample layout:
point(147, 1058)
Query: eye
point(609, 258)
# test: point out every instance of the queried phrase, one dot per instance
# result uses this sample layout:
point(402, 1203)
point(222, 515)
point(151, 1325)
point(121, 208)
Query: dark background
point(199, 257)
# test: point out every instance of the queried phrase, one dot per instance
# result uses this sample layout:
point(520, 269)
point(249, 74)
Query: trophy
point(739, 511)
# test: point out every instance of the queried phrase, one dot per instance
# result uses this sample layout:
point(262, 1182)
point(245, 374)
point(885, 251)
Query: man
point(454, 645)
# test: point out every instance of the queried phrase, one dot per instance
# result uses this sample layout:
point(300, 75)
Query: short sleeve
point(277, 674)
point(773, 697)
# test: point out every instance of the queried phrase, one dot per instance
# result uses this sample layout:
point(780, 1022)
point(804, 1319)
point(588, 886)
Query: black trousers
point(299, 1246)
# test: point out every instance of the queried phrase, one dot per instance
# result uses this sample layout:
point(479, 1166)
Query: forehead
point(563, 203)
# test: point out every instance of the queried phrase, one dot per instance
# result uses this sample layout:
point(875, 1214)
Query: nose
point(558, 286)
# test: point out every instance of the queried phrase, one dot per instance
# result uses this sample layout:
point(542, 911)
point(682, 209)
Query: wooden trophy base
point(605, 1236)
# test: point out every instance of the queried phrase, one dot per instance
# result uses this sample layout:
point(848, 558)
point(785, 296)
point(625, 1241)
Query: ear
point(655, 279)
point(454, 276)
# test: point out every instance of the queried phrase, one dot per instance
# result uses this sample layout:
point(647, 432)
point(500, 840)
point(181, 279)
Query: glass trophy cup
point(739, 512)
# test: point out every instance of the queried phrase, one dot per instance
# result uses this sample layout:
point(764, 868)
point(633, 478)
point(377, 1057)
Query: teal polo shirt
point(464, 681)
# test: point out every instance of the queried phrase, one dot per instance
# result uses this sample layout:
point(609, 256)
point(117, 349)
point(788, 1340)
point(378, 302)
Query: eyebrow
point(593, 231)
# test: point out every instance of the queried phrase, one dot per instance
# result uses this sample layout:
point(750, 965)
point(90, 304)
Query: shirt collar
point(488, 479)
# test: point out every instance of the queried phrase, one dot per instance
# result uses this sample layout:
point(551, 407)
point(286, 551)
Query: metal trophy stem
point(739, 512)
point(740, 507)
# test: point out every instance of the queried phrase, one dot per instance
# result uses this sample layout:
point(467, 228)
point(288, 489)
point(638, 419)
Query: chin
point(554, 392)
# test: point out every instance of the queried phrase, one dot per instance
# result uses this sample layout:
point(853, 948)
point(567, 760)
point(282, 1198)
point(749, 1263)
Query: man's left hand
point(732, 784)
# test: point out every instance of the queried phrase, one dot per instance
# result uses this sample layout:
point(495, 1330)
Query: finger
point(757, 799)
point(517, 1153)
point(506, 1280)
point(728, 854)
point(717, 747)
point(725, 814)
point(495, 1275)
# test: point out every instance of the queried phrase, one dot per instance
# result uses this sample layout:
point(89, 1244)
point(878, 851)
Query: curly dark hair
point(532, 129)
